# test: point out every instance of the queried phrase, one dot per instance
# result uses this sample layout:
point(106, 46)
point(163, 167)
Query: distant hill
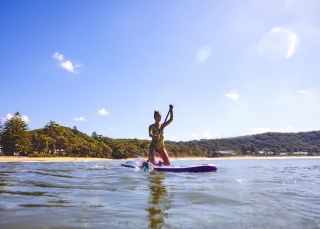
point(54, 139)
point(75, 143)
point(276, 143)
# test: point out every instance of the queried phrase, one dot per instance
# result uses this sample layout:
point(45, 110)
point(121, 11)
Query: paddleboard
point(177, 169)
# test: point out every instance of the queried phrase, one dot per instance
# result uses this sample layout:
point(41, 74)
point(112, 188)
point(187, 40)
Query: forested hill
point(54, 139)
point(267, 143)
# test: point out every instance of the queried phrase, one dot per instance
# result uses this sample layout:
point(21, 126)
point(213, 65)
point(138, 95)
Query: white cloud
point(203, 54)
point(25, 118)
point(58, 56)
point(307, 93)
point(233, 95)
point(278, 44)
point(65, 64)
point(103, 112)
point(79, 119)
point(9, 116)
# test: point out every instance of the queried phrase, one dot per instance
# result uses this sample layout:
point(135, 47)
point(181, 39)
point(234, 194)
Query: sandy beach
point(85, 159)
point(49, 159)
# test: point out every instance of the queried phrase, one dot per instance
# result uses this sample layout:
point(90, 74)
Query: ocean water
point(244, 193)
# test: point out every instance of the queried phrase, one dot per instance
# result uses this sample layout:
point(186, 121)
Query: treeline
point(264, 144)
point(56, 140)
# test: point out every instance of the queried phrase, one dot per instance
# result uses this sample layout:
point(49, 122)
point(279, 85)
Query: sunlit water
point(270, 193)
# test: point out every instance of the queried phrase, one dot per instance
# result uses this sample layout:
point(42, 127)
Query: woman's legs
point(153, 157)
point(164, 156)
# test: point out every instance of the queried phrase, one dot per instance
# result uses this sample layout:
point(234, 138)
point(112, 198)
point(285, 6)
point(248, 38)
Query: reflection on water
point(159, 201)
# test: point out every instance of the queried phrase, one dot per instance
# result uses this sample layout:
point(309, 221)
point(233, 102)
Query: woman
point(156, 133)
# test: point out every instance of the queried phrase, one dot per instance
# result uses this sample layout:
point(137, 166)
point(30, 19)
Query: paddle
point(145, 165)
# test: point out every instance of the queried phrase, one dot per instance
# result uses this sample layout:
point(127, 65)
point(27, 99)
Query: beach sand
point(49, 159)
point(86, 159)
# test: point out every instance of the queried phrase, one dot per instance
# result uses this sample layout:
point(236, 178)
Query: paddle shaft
point(154, 146)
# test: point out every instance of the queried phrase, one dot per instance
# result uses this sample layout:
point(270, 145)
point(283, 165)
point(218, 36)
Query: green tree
point(43, 144)
point(61, 143)
point(15, 137)
point(1, 130)
point(94, 135)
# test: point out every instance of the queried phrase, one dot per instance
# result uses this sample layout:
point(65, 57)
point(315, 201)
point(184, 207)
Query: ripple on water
point(54, 174)
point(242, 194)
point(24, 193)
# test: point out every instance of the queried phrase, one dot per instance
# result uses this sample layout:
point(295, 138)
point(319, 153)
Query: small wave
point(6, 173)
point(99, 167)
point(55, 175)
point(43, 205)
point(47, 185)
point(24, 193)
point(239, 181)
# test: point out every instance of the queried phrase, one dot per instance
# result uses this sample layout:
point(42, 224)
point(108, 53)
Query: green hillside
point(56, 140)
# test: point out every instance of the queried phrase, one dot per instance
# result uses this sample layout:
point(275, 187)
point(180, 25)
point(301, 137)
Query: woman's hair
point(156, 113)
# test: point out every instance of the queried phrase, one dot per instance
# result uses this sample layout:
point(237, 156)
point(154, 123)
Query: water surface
point(254, 193)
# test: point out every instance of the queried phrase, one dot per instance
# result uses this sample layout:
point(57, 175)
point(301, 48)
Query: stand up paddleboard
point(177, 169)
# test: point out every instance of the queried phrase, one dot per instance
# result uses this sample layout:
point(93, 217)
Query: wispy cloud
point(25, 118)
point(103, 112)
point(278, 44)
point(203, 54)
point(79, 119)
point(307, 93)
point(233, 95)
point(58, 56)
point(67, 65)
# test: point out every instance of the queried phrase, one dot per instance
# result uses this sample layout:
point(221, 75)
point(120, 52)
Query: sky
point(230, 68)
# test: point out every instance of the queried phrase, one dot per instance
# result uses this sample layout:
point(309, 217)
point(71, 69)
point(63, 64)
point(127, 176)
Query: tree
point(61, 143)
point(1, 130)
point(94, 135)
point(1, 127)
point(15, 137)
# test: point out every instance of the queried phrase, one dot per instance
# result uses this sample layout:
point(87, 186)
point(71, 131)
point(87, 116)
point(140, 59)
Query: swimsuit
point(155, 129)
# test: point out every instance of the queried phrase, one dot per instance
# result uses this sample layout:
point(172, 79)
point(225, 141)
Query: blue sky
point(229, 67)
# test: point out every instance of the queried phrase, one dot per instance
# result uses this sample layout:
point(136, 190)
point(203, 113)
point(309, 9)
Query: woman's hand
point(157, 137)
point(171, 107)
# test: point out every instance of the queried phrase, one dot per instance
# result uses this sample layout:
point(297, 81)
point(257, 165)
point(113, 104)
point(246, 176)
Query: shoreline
point(91, 159)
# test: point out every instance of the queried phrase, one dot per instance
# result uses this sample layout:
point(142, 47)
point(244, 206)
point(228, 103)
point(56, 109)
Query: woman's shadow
point(159, 200)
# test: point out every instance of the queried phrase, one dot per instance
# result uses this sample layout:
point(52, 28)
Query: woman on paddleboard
point(156, 133)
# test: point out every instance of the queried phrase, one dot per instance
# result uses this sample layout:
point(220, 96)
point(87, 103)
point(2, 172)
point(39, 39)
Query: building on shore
point(226, 153)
